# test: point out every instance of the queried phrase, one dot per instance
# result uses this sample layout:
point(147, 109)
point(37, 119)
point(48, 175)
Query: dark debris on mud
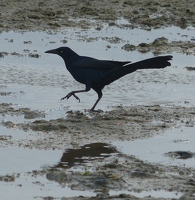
point(162, 45)
point(8, 109)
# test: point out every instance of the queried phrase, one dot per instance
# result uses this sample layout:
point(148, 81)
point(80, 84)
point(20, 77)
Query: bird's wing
point(118, 63)
point(87, 62)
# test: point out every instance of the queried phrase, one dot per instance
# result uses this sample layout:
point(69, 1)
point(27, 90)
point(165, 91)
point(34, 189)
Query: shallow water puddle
point(20, 160)
point(28, 187)
point(17, 165)
point(158, 148)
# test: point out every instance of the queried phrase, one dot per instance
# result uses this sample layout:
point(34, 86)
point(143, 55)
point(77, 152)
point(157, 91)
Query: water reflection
point(86, 181)
point(86, 153)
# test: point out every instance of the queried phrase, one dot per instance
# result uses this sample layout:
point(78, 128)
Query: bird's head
point(64, 52)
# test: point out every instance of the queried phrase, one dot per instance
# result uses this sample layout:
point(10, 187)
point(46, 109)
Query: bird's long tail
point(151, 63)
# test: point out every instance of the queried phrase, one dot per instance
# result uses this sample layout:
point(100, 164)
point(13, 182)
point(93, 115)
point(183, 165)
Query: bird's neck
point(69, 59)
point(69, 63)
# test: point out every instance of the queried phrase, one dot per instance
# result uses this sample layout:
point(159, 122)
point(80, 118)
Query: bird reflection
point(86, 153)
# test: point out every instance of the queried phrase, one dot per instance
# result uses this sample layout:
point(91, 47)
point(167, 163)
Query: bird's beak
point(51, 51)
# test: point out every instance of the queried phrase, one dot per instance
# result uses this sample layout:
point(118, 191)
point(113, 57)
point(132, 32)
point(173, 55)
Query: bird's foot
point(76, 97)
point(71, 94)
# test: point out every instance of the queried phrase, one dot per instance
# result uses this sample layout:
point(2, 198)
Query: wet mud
point(90, 162)
point(42, 15)
point(79, 128)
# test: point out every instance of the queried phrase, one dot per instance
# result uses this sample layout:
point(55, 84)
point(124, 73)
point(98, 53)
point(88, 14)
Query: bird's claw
point(77, 98)
point(69, 95)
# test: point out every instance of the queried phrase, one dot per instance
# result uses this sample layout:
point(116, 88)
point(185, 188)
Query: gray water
point(154, 149)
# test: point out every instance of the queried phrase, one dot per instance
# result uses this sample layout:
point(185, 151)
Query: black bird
point(96, 74)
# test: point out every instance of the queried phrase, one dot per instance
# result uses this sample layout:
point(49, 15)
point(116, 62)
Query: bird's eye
point(61, 51)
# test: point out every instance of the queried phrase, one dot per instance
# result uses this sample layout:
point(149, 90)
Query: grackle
point(96, 74)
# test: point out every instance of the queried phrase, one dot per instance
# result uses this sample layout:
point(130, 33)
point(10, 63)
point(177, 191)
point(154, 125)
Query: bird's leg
point(73, 94)
point(99, 97)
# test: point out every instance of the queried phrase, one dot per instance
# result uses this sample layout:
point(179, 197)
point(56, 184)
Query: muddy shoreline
point(118, 171)
point(42, 15)
point(130, 123)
